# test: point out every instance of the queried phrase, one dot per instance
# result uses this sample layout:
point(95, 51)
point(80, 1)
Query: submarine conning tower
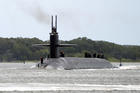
point(54, 40)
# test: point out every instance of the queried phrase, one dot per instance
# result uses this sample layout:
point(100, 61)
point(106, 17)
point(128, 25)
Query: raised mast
point(56, 22)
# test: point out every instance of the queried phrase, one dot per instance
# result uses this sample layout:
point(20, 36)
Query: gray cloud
point(40, 15)
point(34, 9)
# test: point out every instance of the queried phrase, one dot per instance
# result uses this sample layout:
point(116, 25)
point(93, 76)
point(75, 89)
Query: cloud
point(33, 8)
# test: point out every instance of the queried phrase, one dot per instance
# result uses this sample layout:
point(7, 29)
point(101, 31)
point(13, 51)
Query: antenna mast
point(56, 22)
point(52, 22)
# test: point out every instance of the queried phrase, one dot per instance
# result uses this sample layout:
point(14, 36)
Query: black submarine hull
point(68, 63)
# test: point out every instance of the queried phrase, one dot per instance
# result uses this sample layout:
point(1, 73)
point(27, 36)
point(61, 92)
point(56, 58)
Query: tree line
point(21, 49)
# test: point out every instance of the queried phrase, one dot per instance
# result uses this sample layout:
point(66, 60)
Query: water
point(23, 78)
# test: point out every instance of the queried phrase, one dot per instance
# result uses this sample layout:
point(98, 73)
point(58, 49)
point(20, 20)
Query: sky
point(116, 21)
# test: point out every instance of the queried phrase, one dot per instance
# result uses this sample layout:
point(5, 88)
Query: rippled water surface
point(15, 77)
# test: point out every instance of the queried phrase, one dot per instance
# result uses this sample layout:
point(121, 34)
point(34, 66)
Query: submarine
point(55, 61)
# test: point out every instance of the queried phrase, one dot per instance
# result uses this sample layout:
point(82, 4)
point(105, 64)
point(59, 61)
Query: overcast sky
point(115, 21)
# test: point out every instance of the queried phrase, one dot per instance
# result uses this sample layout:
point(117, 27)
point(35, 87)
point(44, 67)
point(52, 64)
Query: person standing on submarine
point(62, 54)
point(41, 60)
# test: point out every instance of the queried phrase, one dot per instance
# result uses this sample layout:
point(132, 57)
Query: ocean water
point(24, 78)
